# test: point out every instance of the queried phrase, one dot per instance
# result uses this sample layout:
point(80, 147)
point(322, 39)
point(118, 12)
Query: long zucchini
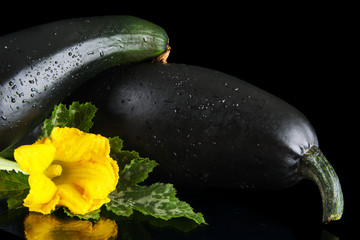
point(208, 129)
point(41, 65)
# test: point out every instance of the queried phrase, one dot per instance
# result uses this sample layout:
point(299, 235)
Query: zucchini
point(39, 66)
point(208, 129)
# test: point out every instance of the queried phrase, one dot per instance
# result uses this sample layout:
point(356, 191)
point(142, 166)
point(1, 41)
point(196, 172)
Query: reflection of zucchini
point(208, 129)
point(39, 66)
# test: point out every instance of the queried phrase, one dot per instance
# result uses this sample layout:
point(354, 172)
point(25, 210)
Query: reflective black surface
point(283, 214)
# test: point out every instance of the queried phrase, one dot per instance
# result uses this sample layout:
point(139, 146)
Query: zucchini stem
point(314, 166)
point(162, 58)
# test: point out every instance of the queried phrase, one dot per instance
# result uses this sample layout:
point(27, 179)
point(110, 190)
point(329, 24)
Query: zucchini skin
point(204, 128)
point(41, 65)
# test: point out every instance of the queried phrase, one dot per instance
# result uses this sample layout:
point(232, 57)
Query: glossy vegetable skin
point(41, 65)
point(209, 129)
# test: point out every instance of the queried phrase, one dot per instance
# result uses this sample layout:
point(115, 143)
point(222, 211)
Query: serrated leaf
point(135, 172)
point(82, 115)
point(124, 157)
point(157, 200)
point(16, 199)
point(78, 116)
point(13, 181)
point(94, 215)
point(14, 186)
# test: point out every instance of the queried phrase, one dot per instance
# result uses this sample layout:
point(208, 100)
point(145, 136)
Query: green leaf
point(14, 186)
point(16, 200)
point(135, 172)
point(157, 200)
point(95, 215)
point(7, 153)
point(13, 181)
point(78, 116)
point(124, 157)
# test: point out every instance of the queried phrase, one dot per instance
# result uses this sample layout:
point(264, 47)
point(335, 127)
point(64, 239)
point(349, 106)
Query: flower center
point(54, 170)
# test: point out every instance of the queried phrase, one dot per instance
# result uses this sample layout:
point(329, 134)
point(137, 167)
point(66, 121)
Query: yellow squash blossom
point(48, 227)
point(71, 169)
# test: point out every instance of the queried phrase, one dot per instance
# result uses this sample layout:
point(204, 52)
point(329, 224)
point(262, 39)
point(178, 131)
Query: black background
point(302, 53)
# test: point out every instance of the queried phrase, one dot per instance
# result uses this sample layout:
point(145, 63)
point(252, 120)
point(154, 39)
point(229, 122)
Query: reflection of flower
point(71, 169)
point(48, 227)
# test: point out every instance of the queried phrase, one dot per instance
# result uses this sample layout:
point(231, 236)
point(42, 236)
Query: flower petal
point(71, 196)
point(35, 158)
point(97, 179)
point(74, 145)
point(42, 196)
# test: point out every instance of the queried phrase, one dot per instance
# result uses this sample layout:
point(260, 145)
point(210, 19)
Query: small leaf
point(82, 115)
point(58, 118)
point(13, 181)
point(135, 172)
point(16, 200)
point(95, 215)
point(124, 157)
point(14, 186)
point(78, 116)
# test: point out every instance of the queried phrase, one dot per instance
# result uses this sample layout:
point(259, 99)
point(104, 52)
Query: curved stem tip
point(314, 166)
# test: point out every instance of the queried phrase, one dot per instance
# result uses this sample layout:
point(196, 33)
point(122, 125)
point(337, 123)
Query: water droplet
point(70, 53)
point(21, 94)
point(31, 81)
point(102, 53)
point(4, 118)
point(90, 53)
point(13, 100)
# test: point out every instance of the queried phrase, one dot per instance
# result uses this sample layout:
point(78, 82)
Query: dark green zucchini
point(209, 129)
point(39, 66)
